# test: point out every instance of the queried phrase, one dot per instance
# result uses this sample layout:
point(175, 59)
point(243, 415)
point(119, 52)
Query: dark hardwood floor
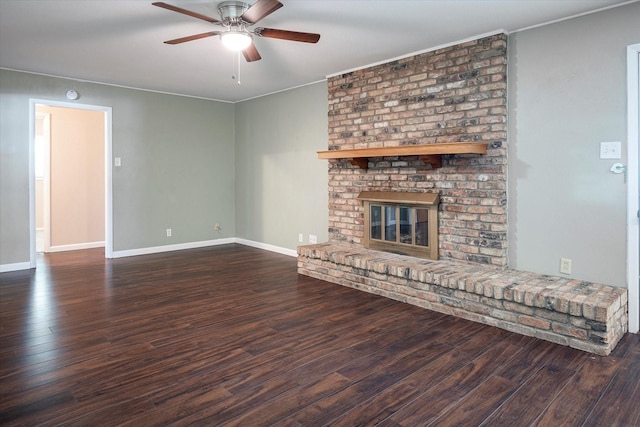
point(232, 335)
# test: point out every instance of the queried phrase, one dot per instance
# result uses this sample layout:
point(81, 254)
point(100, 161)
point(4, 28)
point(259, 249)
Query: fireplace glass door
point(376, 222)
point(390, 224)
point(399, 225)
point(409, 229)
point(422, 227)
point(405, 226)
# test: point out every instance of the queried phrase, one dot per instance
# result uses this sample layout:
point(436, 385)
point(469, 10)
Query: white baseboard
point(76, 246)
point(267, 247)
point(202, 244)
point(169, 248)
point(4, 268)
point(159, 249)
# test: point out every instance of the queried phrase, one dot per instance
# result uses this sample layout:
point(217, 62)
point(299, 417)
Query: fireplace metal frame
point(428, 201)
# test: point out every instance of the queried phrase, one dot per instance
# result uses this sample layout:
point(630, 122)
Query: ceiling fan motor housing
point(231, 12)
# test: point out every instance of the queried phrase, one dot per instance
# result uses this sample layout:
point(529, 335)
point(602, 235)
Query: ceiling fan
point(236, 17)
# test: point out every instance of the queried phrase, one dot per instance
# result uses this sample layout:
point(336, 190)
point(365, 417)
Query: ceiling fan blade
point(295, 36)
point(185, 12)
point(251, 53)
point(194, 37)
point(260, 9)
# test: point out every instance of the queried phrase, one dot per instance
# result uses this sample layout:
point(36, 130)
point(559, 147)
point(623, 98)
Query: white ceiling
point(120, 42)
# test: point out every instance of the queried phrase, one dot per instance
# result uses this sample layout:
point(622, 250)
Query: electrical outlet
point(217, 227)
point(168, 232)
point(300, 238)
point(565, 266)
point(313, 239)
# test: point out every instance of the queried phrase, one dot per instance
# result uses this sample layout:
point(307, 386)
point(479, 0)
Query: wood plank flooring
point(232, 335)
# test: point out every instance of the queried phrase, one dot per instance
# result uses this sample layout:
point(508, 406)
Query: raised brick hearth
point(587, 316)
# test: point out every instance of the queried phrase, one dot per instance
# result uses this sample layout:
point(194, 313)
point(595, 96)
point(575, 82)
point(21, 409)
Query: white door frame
point(633, 208)
point(108, 173)
point(46, 196)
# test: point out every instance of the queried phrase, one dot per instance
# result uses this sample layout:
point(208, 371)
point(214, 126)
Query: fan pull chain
point(233, 71)
point(238, 56)
point(236, 71)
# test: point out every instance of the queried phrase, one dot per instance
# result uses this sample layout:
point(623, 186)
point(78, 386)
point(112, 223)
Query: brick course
point(454, 94)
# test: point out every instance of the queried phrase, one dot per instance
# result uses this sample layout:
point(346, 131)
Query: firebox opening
point(400, 222)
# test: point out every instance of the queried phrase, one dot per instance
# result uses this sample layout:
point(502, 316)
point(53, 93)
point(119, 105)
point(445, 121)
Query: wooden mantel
point(428, 153)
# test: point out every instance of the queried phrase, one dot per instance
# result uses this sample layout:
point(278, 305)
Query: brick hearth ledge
point(584, 315)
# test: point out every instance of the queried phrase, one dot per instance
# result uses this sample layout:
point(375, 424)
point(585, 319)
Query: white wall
point(567, 93)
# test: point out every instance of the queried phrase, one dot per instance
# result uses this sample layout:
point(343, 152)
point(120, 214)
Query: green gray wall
point(177, 163)
point(567, 93)
point(179, 166)
point(281, 186)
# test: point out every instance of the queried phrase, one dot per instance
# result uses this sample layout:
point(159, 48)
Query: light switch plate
point(611, 150)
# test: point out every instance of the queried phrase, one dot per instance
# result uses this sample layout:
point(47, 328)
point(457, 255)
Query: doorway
point(633, 195)
point(79, 174)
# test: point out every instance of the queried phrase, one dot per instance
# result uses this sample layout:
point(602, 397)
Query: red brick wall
point(453, 94)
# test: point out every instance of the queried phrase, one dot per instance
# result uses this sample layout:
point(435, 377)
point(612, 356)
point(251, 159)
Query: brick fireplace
point(454, 94)
point(435, 124)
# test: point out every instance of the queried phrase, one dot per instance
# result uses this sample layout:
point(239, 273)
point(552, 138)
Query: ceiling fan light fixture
point(236, 40)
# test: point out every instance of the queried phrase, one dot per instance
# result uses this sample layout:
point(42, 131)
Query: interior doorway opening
point(70, 179)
